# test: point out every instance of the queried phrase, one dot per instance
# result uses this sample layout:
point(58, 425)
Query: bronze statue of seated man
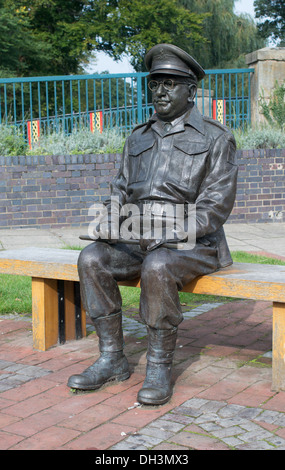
point(178, 158)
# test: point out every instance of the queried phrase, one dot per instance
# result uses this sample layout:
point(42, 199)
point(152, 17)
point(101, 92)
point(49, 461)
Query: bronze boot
point(156, 389)
point(112, 363)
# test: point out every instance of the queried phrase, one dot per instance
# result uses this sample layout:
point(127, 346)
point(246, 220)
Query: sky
point(244, 6)
point(104, 62)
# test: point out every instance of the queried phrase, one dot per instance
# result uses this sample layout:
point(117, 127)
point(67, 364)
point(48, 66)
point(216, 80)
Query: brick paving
point(222, 388)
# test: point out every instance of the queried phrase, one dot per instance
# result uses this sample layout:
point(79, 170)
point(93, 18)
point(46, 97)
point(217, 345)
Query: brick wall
point(261, 186)
point(53, 191)
point(56, 191)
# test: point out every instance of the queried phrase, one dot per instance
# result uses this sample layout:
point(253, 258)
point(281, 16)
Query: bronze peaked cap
point(170, 59)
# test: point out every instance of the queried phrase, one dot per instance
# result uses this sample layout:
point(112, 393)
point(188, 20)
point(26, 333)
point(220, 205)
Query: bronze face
point(171, 102)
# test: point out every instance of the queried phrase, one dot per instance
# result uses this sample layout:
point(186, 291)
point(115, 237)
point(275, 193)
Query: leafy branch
point(274, 108)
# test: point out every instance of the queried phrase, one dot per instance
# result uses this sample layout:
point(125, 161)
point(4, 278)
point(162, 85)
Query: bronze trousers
point(163, 273)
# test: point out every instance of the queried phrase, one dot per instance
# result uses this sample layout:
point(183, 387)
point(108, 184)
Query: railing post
point(139, 98)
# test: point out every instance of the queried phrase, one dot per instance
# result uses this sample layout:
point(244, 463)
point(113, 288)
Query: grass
point(16, 291)
point(243, 257)
point(15, 294)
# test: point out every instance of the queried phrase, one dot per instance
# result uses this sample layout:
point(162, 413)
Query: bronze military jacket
point(192, 162)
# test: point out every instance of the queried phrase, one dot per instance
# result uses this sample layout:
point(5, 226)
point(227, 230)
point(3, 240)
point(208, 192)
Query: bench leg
point(278, 350)
point(57, 312)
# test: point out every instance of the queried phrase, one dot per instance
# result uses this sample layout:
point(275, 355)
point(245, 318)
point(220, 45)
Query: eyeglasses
point(168, 84)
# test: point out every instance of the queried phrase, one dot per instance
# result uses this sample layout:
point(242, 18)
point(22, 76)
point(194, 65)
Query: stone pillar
point(269, 66)
point(204, 97)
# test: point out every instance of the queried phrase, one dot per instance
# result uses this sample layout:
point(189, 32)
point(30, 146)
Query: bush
point(112, 141)
point(274, 109)
point(263, 137)
point(81, 141)
point(12, 141)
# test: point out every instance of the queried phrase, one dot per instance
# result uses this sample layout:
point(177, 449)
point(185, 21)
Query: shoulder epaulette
point(215, 123)
point(138, 126)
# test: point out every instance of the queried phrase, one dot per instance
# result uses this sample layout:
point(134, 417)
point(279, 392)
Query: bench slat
point(241, 280)
point(46, 263)
point(64, 271)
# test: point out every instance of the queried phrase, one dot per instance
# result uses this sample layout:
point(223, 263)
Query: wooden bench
point(58, 315)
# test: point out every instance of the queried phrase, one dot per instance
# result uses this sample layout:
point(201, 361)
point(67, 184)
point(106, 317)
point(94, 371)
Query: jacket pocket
point(185, 155)
point(140, 152)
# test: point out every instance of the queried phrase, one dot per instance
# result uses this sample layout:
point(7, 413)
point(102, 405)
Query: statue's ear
point(192, 92)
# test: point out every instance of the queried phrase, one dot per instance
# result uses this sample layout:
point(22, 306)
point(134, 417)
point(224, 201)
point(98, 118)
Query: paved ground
point(247, 237)
point(222, 376)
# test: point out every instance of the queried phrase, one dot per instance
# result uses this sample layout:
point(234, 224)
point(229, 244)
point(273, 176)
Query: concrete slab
point(256, 237)
point(269, 237)
point(275, 246)
point(26, 237)
point(244, 231)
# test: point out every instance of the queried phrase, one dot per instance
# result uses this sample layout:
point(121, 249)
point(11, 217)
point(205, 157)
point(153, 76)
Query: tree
point(68, 32)
point(272, 19)
point(135, 26)
point(229, 36)
point(20, 51)
point(54, 27)
point(55, 37)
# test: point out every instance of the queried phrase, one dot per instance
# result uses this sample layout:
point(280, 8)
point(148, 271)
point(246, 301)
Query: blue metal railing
point(39, 105)
point(230, 96)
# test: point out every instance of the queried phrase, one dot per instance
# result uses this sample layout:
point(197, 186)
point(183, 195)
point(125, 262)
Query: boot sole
point(146, 401)
point(119, 378)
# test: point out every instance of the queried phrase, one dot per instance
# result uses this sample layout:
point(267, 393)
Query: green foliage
point(11, 141)
point(274, 109)
point(271, 14)
point(52, 33)
point(55, 37)
point(84, 141)
point(21, 51)
point(208, 29)
point(262, 137)
point(69, 31)
point(81, 141)
point(135, 26)
point(229, 36)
